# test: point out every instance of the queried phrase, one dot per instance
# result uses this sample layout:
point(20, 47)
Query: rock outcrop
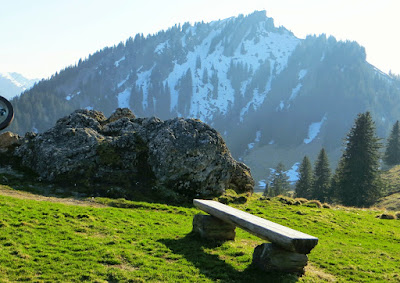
point(125, 154)
point(8, 141)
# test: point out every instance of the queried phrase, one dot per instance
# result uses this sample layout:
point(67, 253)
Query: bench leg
point(270, 257)
point(212, 228)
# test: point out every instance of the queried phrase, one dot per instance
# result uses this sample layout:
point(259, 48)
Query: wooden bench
point(288, 248)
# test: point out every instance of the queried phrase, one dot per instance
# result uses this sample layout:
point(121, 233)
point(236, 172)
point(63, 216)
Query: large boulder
point(184, 157)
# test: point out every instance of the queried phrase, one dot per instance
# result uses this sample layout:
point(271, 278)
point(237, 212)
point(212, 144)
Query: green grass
point(142, 242)
point(391, 199)
point(392, 178)
point(390, 202)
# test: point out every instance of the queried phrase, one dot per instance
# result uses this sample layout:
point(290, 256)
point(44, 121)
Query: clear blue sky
point(40, 37)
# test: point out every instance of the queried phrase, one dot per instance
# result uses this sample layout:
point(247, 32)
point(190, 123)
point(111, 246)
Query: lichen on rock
point(181, 157)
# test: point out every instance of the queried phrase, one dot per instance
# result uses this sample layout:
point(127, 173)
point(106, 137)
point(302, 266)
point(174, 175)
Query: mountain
point(272, 96)
point(12, 84)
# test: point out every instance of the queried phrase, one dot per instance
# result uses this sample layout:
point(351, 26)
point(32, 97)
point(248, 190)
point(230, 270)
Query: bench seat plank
point(285, 237)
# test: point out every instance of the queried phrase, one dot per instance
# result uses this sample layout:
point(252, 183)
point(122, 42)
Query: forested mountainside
point(272, 96)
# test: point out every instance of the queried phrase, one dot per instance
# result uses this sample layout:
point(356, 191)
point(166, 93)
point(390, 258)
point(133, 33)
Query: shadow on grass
point(24, 182)
point(28, 181)
point(192, 248)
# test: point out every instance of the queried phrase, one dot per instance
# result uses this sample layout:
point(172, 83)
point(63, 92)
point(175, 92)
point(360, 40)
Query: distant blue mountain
point(12, 84)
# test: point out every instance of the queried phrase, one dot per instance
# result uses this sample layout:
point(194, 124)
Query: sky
point(41, 37)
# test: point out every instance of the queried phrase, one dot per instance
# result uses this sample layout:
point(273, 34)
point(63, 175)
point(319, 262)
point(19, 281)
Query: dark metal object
point(6, 113)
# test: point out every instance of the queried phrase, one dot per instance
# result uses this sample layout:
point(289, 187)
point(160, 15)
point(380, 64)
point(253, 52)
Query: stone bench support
point(212, 228)
point(287, 251)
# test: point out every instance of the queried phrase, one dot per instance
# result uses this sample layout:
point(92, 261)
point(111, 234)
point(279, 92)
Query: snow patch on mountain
point(281, 106)
point(258, 98)
point(123, 81)
point(272, 47)
point(204, 107)
point(314, 129)
point(116, 63)
point(262, 184)
point(293, 173)
point(302, 74)
point(225, 90)
point(295, 91)
point(143, 82)
point(256, 140)
point(160, 48)
point(123, 98)
point(72, 95)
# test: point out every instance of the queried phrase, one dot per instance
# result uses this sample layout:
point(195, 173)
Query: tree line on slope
point(356, 181)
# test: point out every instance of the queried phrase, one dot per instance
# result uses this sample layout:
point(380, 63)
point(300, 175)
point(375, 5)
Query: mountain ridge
point(261, 87)
point(13, 84)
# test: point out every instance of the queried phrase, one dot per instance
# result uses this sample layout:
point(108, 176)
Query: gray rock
point(212, 228)
point(181, 156)
point(270, 257)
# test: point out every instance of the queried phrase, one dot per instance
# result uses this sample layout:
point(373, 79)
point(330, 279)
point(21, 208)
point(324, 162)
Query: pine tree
point(392, 153)
point(266, 190)
point(243, 49)
point(335, 182)
point(205, 76)
point(185, 93)
point(322, 177)
point(279, 183)
point(198, 63)
point(305, 182)
point(357, 179)
point(215, 82)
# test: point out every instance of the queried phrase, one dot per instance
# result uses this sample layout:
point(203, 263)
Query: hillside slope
point(257, 84)
point(144, 242)
point(391, 200)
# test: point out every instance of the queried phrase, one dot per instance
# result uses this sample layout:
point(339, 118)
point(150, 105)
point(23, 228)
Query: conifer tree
point(279, 183)
point(266, 190)
point(335, 183)
point(185, 93)
point(357, 179)
point(215, 82)
point(392, 153)
point(243, 49)
point(322, 177)
point(198, 63)
point(305, 182)
point(205, 76)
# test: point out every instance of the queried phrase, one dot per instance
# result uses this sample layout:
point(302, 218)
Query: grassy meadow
point(124, 241)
